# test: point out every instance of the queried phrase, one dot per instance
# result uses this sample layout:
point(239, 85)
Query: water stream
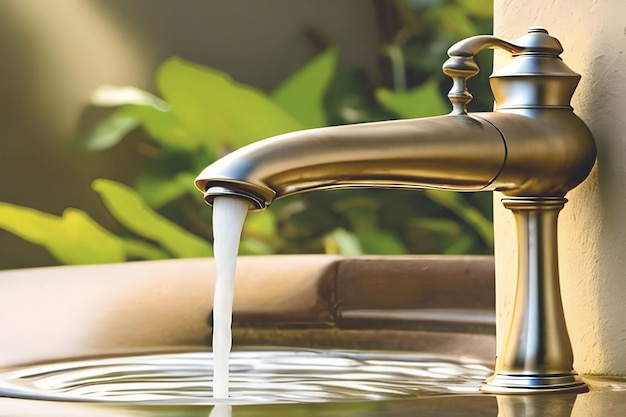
point(229, 215)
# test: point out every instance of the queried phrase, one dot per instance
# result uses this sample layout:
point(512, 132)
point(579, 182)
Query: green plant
point(202, 114)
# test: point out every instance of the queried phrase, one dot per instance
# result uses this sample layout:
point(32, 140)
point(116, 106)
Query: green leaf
point(164, 128)
point(250, 247)
point(349, 100)
point(108, 132)
point(440, 226)
point(131, 211)
point(218, 111)
point(92, 241)
point(455, 21)
point(260, 224)
point(342, 242)
point(138, 249)
point(170, 176)
point(477, 8)
point(136, 107)
point(440, 235)
point(260, 233)
point(380, 242)
point(115, 96)
point(423, 101)
point(470, 214)
point(73, 239)
point(157, 190)
point(302, 94)
point(460, 246)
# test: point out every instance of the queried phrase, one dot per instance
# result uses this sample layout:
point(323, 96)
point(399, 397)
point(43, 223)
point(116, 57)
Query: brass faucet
point(532, 148)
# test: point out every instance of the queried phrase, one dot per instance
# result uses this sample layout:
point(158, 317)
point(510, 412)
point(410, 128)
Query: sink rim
point(95, 310)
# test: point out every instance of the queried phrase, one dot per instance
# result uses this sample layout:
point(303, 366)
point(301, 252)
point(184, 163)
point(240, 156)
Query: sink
point(434, 306)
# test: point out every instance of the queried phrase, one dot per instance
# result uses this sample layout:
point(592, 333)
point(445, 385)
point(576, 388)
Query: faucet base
point(531, 384)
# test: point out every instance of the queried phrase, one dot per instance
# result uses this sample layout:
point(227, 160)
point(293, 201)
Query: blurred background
point(356, 60)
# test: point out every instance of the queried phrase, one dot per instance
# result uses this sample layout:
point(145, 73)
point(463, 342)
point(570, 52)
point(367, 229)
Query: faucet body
point(532, 148)
point(530, 153)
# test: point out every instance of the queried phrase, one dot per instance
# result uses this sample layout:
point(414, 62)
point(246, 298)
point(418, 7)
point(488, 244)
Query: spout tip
point(254, 202)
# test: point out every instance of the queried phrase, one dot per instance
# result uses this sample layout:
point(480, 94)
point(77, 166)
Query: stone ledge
point(74, 311)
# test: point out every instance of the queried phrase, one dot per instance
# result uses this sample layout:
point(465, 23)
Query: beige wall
point(593, 224)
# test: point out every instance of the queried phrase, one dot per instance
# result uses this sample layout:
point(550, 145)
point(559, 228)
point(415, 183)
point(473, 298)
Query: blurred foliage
point(202, 114)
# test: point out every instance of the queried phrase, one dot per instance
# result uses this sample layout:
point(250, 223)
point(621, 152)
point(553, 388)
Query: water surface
point(268, 376)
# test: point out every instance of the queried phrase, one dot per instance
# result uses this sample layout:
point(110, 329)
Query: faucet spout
point(462, 153)
point(533, 149)
point(538, 153)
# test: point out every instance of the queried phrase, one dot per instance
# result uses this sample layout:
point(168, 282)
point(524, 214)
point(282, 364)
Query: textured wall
point(593, 224)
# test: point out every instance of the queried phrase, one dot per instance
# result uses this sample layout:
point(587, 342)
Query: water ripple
point(256, 376)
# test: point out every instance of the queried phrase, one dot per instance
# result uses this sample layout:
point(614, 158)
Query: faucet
point(532, 148)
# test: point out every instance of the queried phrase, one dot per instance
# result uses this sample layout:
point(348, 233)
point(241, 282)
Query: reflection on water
point(606, 398)
point(554, 405)
point(257, 377)
point(402, 385)
point(222, 410)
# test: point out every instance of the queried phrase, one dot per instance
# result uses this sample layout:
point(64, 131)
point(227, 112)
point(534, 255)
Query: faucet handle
point(461, 65)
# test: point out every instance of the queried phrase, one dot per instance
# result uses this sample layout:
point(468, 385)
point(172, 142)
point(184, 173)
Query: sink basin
point(434, 306)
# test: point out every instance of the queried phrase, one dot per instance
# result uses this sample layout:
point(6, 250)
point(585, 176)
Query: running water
point(228, 217)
